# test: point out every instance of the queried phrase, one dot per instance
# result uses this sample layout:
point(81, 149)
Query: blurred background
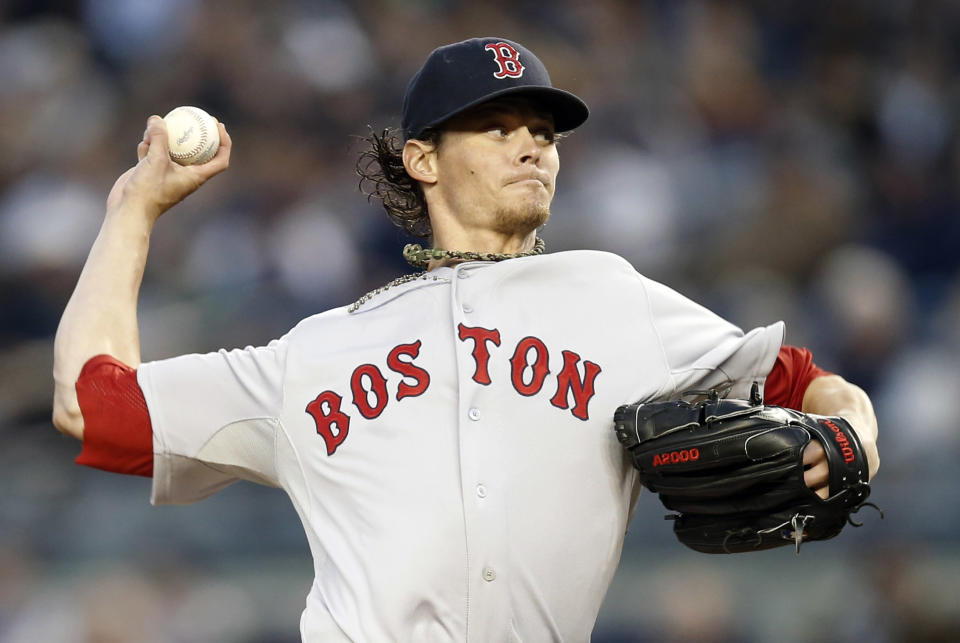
point(796, 160)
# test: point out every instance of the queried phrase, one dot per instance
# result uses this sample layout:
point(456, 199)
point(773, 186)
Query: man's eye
point(500, 132)
point(547, 136)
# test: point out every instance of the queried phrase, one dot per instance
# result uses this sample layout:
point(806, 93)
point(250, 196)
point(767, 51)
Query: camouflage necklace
point(420, 257)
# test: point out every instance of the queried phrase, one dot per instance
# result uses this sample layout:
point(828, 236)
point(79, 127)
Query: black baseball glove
point(733, 471)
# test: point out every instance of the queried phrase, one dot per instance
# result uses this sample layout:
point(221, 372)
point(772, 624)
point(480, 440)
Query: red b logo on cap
point(508, 60)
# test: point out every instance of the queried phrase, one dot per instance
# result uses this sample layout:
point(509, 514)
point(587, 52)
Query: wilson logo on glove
point(845, 448)
point(676, 457)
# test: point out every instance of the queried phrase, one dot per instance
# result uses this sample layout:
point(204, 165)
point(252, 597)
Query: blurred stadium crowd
point(793, 160)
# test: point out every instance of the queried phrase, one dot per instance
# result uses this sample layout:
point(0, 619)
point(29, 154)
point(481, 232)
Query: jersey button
point(474, 414)
point(481, 491)
point(462, 274)
point(489, 574)
point(467, 308)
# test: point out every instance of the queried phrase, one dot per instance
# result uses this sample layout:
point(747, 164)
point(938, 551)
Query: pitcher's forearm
point(101, 316)
point(833, 395)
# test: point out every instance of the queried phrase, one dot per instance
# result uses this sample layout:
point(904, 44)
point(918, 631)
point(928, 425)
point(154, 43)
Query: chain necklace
point(420, 257)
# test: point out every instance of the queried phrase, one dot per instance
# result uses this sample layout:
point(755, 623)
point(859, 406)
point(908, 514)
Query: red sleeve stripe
point(117, 434)
point(790, 377)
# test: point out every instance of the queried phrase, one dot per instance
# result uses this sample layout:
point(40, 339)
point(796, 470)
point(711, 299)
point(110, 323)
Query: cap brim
point(569, 112)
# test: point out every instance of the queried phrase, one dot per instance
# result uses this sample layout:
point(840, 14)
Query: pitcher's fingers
point(221, 160)
point(814, 453)
point(157, 138)
point(817, 476)
point(226, 143)
point(142, 150)
point(225, 140)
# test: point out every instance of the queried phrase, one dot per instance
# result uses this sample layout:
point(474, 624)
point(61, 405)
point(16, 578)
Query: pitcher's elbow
point(68, 421)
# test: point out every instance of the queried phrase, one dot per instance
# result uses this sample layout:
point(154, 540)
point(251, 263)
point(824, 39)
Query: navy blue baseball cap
point(464, 74)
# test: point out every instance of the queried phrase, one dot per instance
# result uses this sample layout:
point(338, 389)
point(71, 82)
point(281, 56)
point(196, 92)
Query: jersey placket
point(484, 502)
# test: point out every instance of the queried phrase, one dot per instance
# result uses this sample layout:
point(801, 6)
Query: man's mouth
point(528, 178)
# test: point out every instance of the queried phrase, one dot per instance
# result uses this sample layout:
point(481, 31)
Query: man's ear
point(420, 160)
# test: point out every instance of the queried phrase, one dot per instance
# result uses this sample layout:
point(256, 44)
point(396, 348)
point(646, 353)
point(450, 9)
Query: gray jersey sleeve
point(702, 350)
point(215, 420)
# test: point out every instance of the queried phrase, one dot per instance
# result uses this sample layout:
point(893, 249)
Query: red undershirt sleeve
point(117, 434)
point(791, 375)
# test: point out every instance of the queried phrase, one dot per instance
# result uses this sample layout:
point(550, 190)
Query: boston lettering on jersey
point(529, 367)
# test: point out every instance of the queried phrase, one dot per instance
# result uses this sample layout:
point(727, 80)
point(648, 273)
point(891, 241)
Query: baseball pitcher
point(449, 440)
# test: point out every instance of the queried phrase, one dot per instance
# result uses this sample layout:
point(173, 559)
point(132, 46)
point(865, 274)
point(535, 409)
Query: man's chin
point(523, 219)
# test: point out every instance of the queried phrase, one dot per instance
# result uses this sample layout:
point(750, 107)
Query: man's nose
point(528, 149)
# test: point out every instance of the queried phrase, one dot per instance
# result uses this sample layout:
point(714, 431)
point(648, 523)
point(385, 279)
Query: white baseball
point(192, 134)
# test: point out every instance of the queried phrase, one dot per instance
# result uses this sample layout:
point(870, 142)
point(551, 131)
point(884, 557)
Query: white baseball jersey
point(449, 445)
